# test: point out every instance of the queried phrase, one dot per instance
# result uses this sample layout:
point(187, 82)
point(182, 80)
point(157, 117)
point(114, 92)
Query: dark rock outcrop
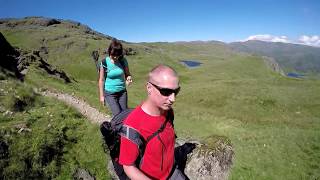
point(95, 57)
point(44, 21)
point(34, 58)
point(15, 63)
point(129, 51)
point(9, 59)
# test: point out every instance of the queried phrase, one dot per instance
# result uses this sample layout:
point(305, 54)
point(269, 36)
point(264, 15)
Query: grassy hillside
point(41, 138)
point(272, 121)
point(291, 57)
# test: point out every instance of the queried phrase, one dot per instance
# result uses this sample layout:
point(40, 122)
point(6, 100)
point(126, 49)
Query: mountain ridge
point(291, 57)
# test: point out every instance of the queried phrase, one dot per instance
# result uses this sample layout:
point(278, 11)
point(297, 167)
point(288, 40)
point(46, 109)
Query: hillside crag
point(16, 62)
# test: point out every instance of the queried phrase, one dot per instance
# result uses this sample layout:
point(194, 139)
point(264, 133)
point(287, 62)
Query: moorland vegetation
point(272, 121)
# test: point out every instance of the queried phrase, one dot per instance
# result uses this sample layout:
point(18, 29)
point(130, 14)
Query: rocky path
point(84, 108)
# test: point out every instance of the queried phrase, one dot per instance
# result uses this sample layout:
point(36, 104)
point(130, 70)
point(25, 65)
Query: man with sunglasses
point(158, 157)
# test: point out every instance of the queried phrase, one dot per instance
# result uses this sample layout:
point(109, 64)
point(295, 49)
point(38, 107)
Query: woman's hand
point(102, 100)
point(128, 80)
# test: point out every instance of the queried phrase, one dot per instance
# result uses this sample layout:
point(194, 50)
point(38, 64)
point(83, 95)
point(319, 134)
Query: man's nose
point(172, 97)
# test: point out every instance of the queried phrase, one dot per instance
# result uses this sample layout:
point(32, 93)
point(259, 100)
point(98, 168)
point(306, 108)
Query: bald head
point(162, 88)
point(161, 73)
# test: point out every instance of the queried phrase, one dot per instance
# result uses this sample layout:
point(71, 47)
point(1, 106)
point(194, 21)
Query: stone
point(82, 174)
point(210, 160)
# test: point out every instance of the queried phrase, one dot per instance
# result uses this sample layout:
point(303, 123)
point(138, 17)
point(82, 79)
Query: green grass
point(58, 140)
point(273, 122)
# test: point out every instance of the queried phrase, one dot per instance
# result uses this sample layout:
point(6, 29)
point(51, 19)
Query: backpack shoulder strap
point(122, 62)
point(105, 67)
point(169, 118)
point(117, 120)
point(123, 65)
point(104, 64)
point(125, 130)
point(133, 135)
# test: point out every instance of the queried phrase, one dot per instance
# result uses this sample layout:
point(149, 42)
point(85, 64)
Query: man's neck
point(150, 108)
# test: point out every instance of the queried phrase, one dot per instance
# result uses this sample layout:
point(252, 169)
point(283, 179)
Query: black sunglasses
point(116, 53)
point(166, 91)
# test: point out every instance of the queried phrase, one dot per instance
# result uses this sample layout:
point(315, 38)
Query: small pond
point(191, 63)
point(295, 75)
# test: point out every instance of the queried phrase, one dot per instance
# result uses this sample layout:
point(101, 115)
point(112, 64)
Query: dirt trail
point(84, 108)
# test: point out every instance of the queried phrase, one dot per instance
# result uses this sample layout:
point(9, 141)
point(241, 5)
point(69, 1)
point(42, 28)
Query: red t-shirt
point(158, 157)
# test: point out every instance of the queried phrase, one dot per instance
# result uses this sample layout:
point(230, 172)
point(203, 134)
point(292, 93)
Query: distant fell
point(38, 21)
point(291, 57)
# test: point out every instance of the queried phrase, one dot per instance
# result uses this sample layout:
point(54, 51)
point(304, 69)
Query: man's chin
point(166, 107)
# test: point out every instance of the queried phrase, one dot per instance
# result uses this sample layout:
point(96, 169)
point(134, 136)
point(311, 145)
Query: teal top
point(115, 81)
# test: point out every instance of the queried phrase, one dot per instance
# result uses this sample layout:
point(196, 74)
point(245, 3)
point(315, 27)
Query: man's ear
point(148, 88)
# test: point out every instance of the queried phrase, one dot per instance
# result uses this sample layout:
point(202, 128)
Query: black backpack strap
point(169, 117)
point(123, 66)
point(121, 61)
point(105, 67)
point(133, 135)
point(117, 120)
point(104, 64)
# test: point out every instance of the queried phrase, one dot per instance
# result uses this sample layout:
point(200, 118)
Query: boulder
point(210, 160)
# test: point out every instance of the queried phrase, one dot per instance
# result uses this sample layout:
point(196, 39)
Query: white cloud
point(304, 39)
point(310, 40)
point(268, 37)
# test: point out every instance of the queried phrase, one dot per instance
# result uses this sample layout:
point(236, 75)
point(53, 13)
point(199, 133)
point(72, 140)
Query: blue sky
point(183, 20)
